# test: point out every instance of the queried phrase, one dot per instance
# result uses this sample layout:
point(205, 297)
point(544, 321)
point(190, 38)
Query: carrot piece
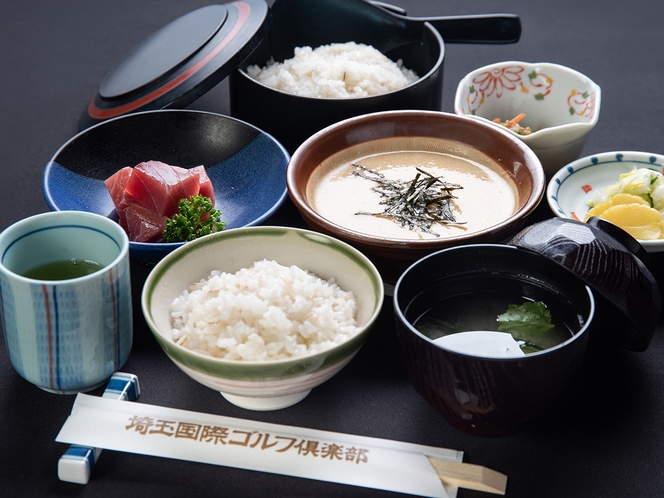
point(514, 121)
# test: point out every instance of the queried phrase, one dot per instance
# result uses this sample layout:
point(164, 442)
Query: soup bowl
point(483, 394)
point(261, 384)
point(494, 152)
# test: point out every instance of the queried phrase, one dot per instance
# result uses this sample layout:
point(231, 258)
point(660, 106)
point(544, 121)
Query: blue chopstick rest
point(122, 386)
point(76, 464)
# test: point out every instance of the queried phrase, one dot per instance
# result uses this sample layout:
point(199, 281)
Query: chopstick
point(76, 464)
point(469, 476)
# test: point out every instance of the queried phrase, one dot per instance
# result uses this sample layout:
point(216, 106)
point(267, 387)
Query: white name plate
point(294, 451)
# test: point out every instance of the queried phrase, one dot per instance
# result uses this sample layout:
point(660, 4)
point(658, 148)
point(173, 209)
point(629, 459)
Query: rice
point(335, 71)
point(265, 312)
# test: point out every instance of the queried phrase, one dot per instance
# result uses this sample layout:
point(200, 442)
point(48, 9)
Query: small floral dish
point(247, 167)
point(558, 105)
point(573, 187)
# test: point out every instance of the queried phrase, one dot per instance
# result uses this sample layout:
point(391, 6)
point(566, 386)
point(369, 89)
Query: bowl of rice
point(262, 314)
point(310, 72)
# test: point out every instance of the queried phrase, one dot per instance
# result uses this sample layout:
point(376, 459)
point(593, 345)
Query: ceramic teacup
point(66, 333)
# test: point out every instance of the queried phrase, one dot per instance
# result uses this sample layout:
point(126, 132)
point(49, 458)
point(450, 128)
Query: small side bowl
point(266, 385)
point(561, 105)
point(484, 395)
point(246, 166)
point(570, 189)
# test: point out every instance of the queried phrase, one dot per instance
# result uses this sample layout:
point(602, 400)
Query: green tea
point(63, 269)
point(448, 312)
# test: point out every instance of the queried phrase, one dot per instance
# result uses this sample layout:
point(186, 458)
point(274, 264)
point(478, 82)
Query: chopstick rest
point(287, 450)
point(76, 464)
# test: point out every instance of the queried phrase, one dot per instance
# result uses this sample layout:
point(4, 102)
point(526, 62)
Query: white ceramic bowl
point(573, 186)
point(561, 105)
point(262, 385)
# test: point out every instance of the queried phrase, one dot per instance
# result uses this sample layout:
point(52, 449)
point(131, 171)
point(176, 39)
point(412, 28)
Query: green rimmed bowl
point(262, 385)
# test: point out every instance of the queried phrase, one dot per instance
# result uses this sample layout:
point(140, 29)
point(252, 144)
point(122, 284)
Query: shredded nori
point(415, 204)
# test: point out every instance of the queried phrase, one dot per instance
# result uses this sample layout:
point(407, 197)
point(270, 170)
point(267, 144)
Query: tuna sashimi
point(142, 225)
point(116, 185)
point(159, 189)
point(206, 188)
point(146, 195)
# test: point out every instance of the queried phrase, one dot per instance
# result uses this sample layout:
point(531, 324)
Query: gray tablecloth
point(603, 438)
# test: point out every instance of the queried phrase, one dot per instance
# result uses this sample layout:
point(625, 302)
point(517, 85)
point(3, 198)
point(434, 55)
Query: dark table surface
point(603, 438)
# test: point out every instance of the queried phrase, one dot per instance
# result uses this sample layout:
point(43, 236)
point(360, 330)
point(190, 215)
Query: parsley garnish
point(197, 217)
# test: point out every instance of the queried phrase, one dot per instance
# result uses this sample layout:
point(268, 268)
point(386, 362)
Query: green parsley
point(197, 217)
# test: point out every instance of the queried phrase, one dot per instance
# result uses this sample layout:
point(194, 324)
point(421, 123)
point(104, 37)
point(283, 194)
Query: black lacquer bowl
point(483, 395)
point(595, 270)
point(293, 118)
point(418, 42)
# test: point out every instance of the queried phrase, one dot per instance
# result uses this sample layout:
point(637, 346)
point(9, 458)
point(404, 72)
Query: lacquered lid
point(181, 61)
point(613, 265)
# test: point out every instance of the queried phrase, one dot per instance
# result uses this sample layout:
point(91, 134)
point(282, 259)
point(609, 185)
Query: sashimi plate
point(247, 166)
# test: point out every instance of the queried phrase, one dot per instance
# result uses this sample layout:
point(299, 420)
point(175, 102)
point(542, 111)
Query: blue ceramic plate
point(573, 186)
point(247, 166)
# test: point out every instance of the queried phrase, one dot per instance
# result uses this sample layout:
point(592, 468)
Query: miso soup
point(457, 307)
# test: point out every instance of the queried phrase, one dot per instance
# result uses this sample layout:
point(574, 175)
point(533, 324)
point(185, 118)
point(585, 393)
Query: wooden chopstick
point(469, 476)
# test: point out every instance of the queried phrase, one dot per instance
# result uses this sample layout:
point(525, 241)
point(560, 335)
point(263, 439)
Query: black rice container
point(291, 119)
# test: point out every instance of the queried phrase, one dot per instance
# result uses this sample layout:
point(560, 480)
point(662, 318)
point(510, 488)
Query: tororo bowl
point(262, 385)
point(391, 131)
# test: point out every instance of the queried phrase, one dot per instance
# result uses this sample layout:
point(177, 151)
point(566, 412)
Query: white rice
point(335, 71)
point(266, 312)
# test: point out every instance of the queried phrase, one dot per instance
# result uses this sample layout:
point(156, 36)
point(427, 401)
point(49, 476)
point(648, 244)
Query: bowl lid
point(181, 61)
point(610, 262)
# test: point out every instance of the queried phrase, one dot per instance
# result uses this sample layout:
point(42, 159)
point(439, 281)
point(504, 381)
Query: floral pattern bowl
point(561, 105)
point(573, 186)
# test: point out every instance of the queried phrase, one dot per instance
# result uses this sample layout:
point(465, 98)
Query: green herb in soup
point(525, 320)
point(532, 324)
point(63, 269)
